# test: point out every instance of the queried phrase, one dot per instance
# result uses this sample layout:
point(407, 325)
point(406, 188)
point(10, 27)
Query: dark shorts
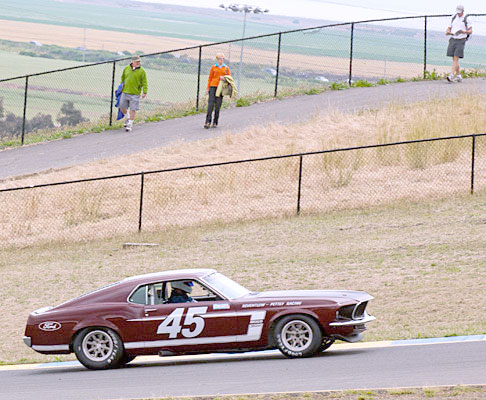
point(456, 48)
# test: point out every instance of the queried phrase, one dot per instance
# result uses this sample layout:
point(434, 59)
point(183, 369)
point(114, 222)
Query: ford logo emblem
point(49, 326)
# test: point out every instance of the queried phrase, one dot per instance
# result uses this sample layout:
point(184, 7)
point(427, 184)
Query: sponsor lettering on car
point(253, 305)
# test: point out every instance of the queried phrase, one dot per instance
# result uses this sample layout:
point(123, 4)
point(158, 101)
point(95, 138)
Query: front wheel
point(98, 348)
point(126, 359)
point(298, 336)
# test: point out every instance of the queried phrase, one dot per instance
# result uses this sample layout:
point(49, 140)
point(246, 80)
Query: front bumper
point(28, 341)
point(367, 318)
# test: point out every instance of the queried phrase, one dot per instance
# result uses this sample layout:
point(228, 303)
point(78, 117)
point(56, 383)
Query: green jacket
point(134, 81)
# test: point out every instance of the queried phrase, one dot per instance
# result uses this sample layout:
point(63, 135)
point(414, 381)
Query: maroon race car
point(194, 311)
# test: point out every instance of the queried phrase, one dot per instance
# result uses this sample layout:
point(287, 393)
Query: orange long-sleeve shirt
point(216, 73)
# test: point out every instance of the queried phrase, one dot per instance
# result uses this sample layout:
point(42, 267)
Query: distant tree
point(69, 115)
point(40, 121)
point(12, 124)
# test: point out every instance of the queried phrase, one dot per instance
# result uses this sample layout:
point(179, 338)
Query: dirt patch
point(452, 392)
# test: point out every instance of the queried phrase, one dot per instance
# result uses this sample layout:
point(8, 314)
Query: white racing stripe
point(254, 333)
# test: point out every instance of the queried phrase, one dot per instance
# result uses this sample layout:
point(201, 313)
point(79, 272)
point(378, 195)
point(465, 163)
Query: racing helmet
point(185, 286)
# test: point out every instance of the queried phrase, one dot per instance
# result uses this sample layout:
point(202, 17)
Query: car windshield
point(226, 286)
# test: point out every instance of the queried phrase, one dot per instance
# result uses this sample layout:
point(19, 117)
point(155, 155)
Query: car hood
point(339, 296)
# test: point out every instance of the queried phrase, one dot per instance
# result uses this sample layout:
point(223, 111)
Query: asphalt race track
point(428, 362)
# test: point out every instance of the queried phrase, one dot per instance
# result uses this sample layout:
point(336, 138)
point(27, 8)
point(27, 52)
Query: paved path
point(90, 147)
point(429, 362)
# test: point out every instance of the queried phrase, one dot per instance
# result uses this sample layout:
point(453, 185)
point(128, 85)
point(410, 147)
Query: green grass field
point(204, 25)
point(377, 41)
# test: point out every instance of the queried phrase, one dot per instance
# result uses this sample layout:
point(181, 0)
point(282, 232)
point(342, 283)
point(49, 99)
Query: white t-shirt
point(459, 25)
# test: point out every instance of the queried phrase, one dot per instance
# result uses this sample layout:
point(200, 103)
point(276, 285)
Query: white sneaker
point(458, 78)
point(126, 123)
point(129, 127)
point(450, 78)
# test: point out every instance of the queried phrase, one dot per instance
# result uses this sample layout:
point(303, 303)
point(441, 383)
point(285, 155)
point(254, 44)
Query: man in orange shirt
point(216, 74)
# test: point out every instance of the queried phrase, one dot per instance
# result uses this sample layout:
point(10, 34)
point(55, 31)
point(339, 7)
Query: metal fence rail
point(73, 97)
point(301, 183)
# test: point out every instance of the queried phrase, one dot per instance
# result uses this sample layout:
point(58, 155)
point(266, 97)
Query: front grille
point(360, 310)
point(353, 311)
point(346, 312)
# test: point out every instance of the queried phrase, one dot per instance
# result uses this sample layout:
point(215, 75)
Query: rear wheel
point(298, 336)
point(98, 348)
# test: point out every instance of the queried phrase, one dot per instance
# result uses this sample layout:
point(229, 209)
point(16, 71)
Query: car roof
point(165, 275)
point(119, 290)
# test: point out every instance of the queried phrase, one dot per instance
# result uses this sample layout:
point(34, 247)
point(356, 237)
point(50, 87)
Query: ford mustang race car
point(194, 311)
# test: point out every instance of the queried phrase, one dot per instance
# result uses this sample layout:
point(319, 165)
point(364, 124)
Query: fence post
point(141, 202)
point(112, 92)
point(472, 162)
point(300, 185)
point(25, 107)
point(278, 63)
point(198, 78)
point(351, 55)
point(425, 47)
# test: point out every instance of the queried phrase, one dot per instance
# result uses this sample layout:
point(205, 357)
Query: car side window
point(158, 293)
point(139, 296)
point(202, 293)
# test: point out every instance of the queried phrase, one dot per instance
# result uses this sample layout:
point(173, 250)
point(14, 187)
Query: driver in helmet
point(180, 291)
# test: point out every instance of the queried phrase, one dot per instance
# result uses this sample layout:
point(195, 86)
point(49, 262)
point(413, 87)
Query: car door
point(207, 324)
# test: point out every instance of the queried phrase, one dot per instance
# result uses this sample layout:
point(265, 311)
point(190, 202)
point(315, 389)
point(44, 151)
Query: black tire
point(126, 359)
point(326, 343)
point(98, 348)
point(297, 336)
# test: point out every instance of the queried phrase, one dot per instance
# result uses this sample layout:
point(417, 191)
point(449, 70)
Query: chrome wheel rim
point(97, 346)
point(297, 335)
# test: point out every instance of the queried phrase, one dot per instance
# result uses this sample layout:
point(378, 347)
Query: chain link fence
point(243, 190)
point(52, 104)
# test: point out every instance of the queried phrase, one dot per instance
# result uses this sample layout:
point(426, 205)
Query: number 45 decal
point(172, 323)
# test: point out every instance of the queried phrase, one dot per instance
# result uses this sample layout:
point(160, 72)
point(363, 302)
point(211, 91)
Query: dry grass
point(408, 253)
point(449, 392)
point(333, 129)
point(119, 41)
point(416, 258)
point(248, 191)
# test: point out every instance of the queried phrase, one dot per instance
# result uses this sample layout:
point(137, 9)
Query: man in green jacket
point(134, 81)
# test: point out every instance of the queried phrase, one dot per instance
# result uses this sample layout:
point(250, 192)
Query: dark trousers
point(213, 103)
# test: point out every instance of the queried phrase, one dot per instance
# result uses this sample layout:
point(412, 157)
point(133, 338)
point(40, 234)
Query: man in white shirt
point(459, 28)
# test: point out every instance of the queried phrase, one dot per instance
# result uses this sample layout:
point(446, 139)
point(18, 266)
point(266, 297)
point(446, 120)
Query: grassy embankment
point(400, 226)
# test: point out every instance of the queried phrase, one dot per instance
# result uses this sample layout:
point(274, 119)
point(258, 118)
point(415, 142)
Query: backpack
point(465, 23)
